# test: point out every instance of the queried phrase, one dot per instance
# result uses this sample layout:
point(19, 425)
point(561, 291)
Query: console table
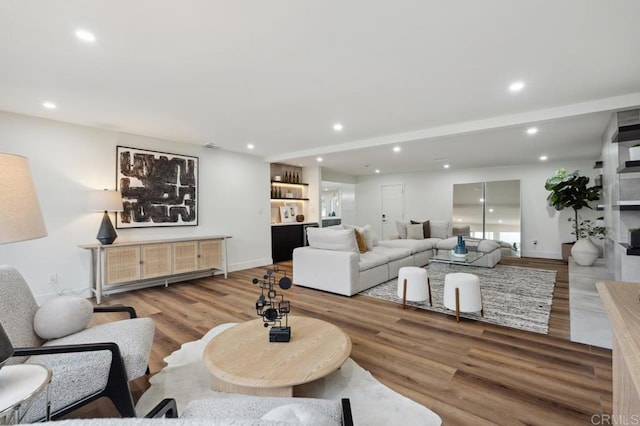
point(129, 265)
point(622, 302)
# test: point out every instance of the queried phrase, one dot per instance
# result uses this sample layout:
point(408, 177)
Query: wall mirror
point(491, 210)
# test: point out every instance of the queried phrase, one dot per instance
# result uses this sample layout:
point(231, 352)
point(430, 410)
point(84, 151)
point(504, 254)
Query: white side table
point(19, 384)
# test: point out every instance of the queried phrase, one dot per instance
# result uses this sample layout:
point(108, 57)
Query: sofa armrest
point(329, 270)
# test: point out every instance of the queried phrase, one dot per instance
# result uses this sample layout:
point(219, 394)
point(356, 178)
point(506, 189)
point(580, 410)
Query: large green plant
point(570, 190)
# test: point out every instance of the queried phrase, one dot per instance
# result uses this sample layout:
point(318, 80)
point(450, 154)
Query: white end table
point(19, 384)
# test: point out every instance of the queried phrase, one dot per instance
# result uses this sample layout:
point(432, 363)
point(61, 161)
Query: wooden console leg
point(404, 294)
point(457, 304)
point(429, 286)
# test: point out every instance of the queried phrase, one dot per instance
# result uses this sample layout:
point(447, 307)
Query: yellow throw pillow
point(362, 243)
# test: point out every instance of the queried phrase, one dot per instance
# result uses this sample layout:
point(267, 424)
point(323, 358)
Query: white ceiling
point(430, 76)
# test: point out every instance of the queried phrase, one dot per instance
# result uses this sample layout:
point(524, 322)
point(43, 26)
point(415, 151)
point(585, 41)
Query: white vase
point(584, 252)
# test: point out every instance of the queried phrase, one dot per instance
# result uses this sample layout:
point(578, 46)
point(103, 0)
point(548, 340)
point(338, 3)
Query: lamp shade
point(100, 201)
point(20, 215)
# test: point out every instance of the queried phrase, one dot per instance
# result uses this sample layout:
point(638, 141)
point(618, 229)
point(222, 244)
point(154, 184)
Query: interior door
point(392, 209)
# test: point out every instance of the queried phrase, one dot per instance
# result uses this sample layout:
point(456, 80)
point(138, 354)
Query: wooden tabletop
point(243, 355)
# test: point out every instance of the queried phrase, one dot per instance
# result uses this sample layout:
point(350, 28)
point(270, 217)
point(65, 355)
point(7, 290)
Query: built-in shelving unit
point(622, 172)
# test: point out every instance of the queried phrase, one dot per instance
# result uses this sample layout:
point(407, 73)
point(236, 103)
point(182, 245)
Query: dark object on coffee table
point(273, 310)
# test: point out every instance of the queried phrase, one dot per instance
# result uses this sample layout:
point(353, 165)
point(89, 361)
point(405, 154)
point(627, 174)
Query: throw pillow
point(439, 228)
point(329, 239)
point(62, 316)
point(369, 236)
point(426, 229)
point(402, 230)
point(362, 243)
point(415, 232)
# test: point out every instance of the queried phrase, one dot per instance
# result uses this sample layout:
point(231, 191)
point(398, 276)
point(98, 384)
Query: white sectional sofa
point(334, 262)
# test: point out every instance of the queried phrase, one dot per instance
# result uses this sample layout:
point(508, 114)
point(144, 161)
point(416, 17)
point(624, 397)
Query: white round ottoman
point(413, 285)
point(462, 293)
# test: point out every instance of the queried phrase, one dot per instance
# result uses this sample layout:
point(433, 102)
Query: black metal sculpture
point(267, 309)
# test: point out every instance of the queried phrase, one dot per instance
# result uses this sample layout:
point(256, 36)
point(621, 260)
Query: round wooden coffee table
point(242, 360)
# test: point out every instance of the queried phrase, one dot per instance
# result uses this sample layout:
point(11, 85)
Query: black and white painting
point(158, 188)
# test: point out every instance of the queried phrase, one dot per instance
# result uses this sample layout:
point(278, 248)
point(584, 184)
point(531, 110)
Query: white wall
point(429, 195)
point(67, 161)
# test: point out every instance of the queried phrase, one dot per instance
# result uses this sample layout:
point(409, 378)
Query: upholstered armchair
point(86, 363)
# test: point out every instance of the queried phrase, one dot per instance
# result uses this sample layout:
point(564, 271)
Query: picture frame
point(159, 189)
point(287, 214)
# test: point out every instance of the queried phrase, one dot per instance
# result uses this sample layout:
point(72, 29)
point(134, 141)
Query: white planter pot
point(584, 252)
point(634, 153)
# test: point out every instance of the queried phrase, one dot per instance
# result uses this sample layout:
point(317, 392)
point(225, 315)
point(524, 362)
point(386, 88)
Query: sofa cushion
point(487, 246)
point(426, 229)
point(61, 316)
point(329, 239)
point(415, 232)
point(440, 228)
point(414, 246)
point(402, 230)
point(392, 253)
point(370, 260)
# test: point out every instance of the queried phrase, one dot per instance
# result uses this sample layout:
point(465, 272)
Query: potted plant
point(570, 190)
point(584, 252)
point(634, 237)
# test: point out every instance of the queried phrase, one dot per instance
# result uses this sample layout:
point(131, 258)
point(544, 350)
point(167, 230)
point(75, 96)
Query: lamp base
point(106, 233)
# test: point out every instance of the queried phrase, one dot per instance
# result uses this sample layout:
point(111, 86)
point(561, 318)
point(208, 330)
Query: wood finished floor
point(470, 373)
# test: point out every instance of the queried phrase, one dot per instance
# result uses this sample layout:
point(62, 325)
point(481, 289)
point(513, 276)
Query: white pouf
point(417, 288)
point(462, 293)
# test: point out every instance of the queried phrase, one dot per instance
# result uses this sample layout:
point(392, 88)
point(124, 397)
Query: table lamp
point(20, 216)
point(106, 201)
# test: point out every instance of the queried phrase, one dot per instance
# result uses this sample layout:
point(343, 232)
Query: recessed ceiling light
point(482, 200)
point(319, 159)
point(397, 149)
point(516, 86)
point(500, 221)
point(490, 210)
point(543, 158)
point(446, 166)
point(49, 105)
point(250, 146)
point(85, 35)
point(459, 220)
point(377, 170)
point(337, 127)
point(532, 130)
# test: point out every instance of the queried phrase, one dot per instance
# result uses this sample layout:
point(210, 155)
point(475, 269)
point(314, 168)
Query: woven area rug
point(512, 296)
point(186, 378)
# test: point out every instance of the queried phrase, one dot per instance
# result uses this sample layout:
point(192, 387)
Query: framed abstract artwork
point(158, 188)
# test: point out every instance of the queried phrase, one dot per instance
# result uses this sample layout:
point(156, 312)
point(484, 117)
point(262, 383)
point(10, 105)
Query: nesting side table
point(19, 385)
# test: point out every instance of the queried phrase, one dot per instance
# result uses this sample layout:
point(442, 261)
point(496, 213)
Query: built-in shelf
point(627, 206)
point(631, 251)
point(277, 182)
point(598, 165)
point(629, 167)
point(600, 207)
point(627, 133)
point(289, 199)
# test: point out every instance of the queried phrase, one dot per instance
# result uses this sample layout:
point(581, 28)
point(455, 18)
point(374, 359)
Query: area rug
point(512, 296)
point(186, 378)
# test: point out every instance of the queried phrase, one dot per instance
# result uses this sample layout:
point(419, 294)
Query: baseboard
point(250, 264)
point(542, 254)
point(44, 297)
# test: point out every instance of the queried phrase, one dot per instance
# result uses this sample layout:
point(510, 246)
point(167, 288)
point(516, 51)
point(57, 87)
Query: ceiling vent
point(211, 145)
point(628, 126)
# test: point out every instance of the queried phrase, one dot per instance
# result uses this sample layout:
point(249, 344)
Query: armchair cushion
point(62, 316)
